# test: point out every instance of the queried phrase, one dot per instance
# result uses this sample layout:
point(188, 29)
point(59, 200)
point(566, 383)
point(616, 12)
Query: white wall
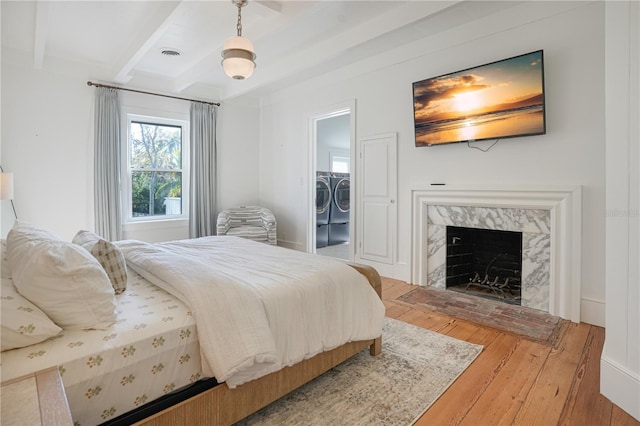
point(46, 124)
point(571, 153)
point(238, 154)
point(620, 366)
point(47, 141)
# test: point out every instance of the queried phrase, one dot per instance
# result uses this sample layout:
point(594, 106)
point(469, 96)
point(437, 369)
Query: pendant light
point(238, 57)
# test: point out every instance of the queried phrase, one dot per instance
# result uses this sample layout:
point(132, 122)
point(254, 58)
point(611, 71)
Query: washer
point(323, 199)
point(323, 207)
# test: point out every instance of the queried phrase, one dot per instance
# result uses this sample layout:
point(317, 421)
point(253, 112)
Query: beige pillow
point(23, 323)
point(108, 254)
point(64, 280)
point(5, 271)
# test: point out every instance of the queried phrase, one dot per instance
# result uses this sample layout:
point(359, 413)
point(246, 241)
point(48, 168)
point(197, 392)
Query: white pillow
point(62, 279)
point(23, 324)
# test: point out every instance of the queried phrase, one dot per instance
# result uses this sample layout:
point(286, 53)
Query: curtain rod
point(90, 83)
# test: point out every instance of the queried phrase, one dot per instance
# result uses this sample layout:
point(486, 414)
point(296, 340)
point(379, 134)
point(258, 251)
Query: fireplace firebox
point(484, 262)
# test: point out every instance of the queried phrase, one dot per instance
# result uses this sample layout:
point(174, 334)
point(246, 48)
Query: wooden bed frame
point(223, 406)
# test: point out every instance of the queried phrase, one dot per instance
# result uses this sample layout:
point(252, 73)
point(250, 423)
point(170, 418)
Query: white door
point(377, 180)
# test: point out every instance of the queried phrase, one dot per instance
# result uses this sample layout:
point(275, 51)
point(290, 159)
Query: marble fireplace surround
point(548, 217)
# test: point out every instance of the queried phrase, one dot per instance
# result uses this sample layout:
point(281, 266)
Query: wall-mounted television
point(502, 99)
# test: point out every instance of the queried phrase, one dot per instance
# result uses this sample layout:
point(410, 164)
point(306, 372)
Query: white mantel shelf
point(564, 204)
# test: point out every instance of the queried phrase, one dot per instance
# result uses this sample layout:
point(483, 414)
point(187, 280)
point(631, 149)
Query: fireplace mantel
point(564, 206)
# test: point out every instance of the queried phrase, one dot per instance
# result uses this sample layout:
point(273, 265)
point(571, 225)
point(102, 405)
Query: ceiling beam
point(40, 33)
point(149, 33)
point(203, 67)
point(266, 8)
point(395, 18)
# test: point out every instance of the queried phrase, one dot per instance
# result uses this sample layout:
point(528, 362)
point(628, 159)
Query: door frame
point(347, 107)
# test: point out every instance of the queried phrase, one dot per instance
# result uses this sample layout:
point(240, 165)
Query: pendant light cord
point(239, 24)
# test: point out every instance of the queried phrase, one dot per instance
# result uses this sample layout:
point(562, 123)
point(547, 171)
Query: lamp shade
point(238, 58)
point(6, 186)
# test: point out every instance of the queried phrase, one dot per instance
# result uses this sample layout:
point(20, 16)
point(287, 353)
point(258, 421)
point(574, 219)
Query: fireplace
point(484, 262)
point(548, 218)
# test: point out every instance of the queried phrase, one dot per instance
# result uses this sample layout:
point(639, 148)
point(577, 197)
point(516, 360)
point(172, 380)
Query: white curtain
point(107, 164)
point(202, 220)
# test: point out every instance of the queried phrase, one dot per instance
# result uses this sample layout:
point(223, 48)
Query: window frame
point(127, 176)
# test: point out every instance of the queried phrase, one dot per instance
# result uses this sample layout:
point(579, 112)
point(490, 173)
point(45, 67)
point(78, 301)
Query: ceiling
point(121, 42)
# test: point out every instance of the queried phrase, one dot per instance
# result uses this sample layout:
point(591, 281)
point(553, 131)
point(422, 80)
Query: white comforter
point(258, 307)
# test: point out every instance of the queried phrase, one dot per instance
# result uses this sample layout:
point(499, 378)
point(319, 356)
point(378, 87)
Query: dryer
point(340, 200)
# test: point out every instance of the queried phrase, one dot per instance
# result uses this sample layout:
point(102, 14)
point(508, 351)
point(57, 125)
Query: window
point(339, 163)
point(157, 171)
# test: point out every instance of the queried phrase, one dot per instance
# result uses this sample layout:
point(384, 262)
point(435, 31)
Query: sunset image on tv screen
point(493, 101)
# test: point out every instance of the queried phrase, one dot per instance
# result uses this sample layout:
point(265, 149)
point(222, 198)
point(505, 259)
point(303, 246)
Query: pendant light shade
point(6, 186)
point(238, 57)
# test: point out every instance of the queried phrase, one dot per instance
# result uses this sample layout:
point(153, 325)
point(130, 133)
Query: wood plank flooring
point(516, 380)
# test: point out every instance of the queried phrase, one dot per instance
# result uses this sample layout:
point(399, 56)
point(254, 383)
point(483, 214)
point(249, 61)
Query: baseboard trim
point(620, 386)
point(592, 311)
point(292, 245)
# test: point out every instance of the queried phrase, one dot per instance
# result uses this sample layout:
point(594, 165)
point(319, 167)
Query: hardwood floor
point(515, 380)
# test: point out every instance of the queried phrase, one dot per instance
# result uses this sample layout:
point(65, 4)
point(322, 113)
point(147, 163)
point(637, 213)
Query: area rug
point(394, 388)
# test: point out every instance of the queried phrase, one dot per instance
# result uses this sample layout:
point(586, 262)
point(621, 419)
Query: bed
point(152, 365)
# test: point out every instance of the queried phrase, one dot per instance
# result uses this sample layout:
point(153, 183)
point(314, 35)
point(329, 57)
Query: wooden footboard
point(223, 406)
point(375, 281)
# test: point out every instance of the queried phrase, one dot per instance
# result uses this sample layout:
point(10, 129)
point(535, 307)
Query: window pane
point(157, 146)
point(156, 193)
point(340, 165)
